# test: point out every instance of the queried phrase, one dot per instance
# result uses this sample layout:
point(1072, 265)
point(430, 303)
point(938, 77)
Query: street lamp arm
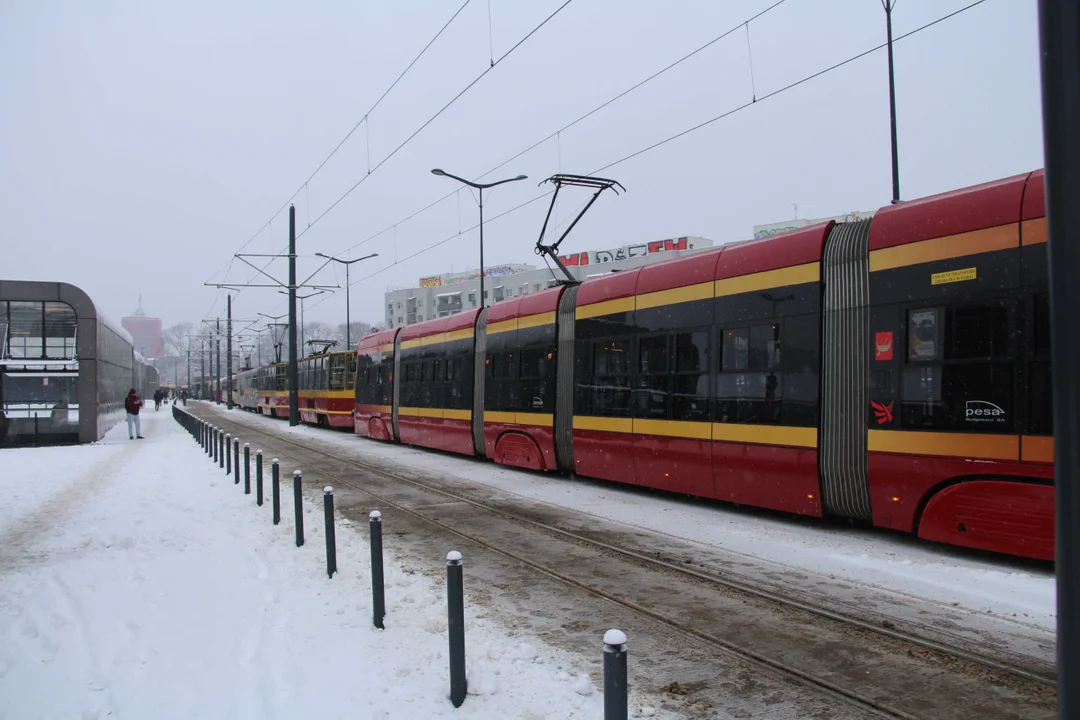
point(478, 186)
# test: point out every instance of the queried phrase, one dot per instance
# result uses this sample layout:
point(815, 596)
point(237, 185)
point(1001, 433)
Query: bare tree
point(176, 339)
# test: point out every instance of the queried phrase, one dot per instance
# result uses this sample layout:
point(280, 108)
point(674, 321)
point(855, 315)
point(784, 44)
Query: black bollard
point(455, 611)
point(236, 460)
point(206, 438)
point(298, 506)
point(615, 701)
point(247, 468)
point(221, 449)
point(331, 539)
point(275, 490)
point(212, 449)
point(228, 455)
point(258, 478)
point(378, 596)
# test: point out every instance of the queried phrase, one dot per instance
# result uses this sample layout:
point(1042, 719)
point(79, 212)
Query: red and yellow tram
point(894, 370)
point(326, 393)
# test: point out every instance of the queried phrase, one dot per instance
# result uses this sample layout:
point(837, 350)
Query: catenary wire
point(598, 108)
point(692, 129)
point(432, 119)
point(353, 130)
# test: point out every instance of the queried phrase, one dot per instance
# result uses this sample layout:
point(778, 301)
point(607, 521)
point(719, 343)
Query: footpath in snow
point(137, 581)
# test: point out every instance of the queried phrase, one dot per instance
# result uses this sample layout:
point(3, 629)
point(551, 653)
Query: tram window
point(1042, 324)
point(532, 362)
point(653, 382)
point(977, 331)
point(1040, 399)
point(690, 388)
point(611, 381)
point(959, 374)
point(736, 350)
point(611, 357)
point(750, 388)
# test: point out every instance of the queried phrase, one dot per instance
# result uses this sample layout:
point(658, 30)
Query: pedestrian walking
point(133, 404)
point(157, 399)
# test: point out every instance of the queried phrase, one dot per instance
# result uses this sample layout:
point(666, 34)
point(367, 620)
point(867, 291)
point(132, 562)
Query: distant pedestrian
point(157, 399)
point(183, 396)
point(133, 404)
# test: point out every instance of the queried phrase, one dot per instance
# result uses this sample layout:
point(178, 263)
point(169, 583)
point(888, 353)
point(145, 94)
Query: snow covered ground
point(1007, 592)
point(136, 581)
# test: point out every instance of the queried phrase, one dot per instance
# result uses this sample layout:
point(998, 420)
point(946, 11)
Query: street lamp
point(302, 298)
point(346, 263)
point(481, 187)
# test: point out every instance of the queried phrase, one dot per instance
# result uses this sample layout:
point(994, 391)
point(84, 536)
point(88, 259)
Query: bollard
point(228, 454)
point(331, 540)
point(206, 437)
point(298, 506)
point(236, 460)
point(213, 443)
point(615, 701)
point(378, 597)
point(221, 449)
point(258, 478)
point(275, 490)
point(455, 611)
point(247, 468)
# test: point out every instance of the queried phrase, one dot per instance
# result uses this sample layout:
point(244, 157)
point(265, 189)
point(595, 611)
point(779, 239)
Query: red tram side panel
point(424, 415)
point(960, 449)
point(373, 412)
point(603, 436)
point(519, 431)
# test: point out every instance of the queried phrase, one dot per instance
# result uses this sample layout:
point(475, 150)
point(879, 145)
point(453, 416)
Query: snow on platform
point(137, 581)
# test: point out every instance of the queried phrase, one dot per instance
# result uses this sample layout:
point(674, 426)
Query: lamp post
point(888, 5)
point(347, 263)
point(302, 298)
point(481, 187)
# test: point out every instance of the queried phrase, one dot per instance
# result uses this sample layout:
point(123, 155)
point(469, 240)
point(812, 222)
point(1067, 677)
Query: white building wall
point(449, 294)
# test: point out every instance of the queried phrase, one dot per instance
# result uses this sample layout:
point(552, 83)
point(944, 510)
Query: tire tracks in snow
point(18, 540)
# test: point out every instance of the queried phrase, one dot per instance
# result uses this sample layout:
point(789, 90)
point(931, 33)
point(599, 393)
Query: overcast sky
point(142, 144)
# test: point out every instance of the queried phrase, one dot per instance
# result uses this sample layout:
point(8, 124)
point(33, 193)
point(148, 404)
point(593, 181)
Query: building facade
point(146, 333)
point(761, 231)
point(443, 295)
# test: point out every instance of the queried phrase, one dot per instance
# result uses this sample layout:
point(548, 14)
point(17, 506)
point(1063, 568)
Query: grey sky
point(142, 143)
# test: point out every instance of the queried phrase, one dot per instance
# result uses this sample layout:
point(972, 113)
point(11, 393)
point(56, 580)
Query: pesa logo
point(981, 411)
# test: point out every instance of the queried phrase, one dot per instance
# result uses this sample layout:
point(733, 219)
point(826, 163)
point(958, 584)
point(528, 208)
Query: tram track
point(900, 663)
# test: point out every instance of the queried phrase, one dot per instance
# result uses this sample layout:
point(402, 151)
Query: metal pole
point(298, 506)
point(482, 303)
point(347, 343)
point(217, 391)
point(258, 478)
point(455, 612)
point(1059, 28)
point(247, 469)
point(275, 489)
point(228, 353)
point(202, 362)
point(294, 395)
point(331, 540)
point(378, 593)
point(889, 4)
point(615, 701)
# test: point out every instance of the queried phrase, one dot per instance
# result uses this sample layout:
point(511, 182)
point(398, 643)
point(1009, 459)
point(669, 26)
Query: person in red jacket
point(133, 404)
